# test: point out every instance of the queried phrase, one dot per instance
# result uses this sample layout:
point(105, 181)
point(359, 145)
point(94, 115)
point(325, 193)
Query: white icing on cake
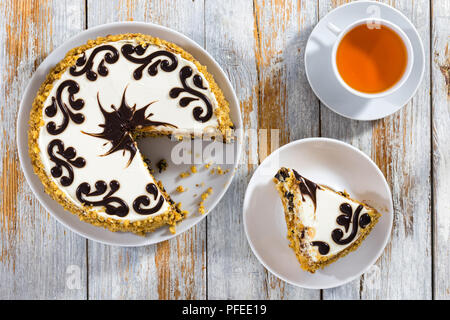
point(323, 219)
point(319, 218)
point(134, 178)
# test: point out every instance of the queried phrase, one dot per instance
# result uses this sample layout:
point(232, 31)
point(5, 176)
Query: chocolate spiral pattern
point(165, 59)
point(114, 205)
point(111, 56)
point(345, 219)
point(145, 201)
point(186, 73)
point(69, 155)
point(57, 103)
point(323, 247)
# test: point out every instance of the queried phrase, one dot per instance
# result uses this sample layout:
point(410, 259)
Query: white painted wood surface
point(260, 46)
point(440, 81)
point(37, 253)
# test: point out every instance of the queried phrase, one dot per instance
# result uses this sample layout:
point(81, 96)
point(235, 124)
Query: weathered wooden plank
point(358, 134)
point(401, 148)
point(260, 46)
point(174, 269)
point(400, 145)
point(440, 68)
point(233, 271)
point(39, 258)
point(286, 102)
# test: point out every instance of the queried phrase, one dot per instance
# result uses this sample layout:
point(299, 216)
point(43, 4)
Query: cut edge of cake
point(173, 214)
point(287, 184)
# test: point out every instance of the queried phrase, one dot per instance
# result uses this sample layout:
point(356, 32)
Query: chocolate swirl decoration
point(69, 155)
point(307, 187)
point(113, 205)
point(323, 247)
point(121, 122)
point(110, 57)
point(57, 103)
point(165, 59)
point(145, 201)
point(345, 220)
point(185, 73)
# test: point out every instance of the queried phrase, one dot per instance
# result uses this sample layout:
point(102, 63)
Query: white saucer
point(325, 161)
point(319, 69)
point(154, 148)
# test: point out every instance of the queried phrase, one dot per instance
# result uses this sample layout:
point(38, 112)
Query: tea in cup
point(371, 58)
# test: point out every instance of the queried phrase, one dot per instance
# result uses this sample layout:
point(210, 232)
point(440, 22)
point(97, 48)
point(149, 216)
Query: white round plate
point(154, 148)
point(332, 163)
point(328, 89)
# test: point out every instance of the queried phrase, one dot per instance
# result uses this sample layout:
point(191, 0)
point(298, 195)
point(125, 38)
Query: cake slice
point(323, 225)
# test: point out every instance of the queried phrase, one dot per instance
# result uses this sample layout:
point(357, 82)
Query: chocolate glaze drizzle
point(307, 187)
point(324, 248)
point(69, 155)
point(120, 123)
point(344, 220)
point(198, 82)
point(111, 56)
point(114, 205)
point(167, 60)
point(185, 73)
point(145, 201)
point(57, 103)
point(364, 220)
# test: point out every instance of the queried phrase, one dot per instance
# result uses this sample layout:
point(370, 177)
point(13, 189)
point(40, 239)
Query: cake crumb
point(184, 213)
point(184, 174)
point(180, 189)
point(219, 170)
point(148, 163)
point(205, 195)
point(162, 165)
point(193, 169)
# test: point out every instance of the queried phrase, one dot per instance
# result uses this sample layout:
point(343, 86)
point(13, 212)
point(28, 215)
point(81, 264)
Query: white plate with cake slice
point(104, 96)
point(337, 208)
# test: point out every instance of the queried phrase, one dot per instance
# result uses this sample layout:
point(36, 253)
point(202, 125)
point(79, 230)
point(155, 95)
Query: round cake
point(93, 106)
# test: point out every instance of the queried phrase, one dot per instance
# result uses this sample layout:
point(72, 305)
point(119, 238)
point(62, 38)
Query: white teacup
point(374, 22)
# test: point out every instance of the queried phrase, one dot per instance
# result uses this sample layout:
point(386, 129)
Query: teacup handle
point(334, 29)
